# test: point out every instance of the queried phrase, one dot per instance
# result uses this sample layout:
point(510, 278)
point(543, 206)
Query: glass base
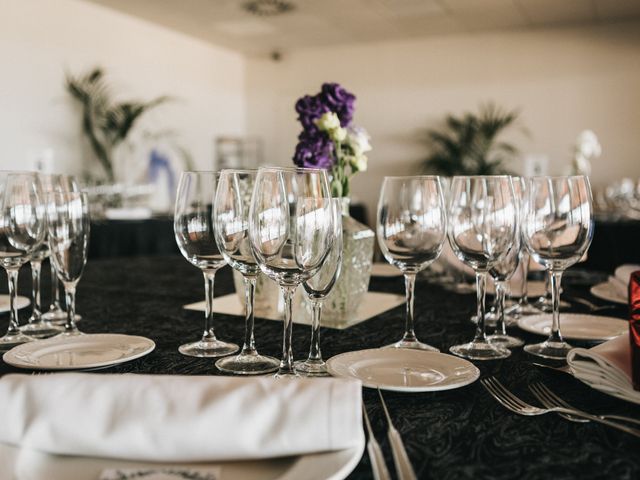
point(41, 329)
point(54, 314)
point(415, 344)
point(526, 309)
point(544, 305)
point(505, 340)
point(208, 348)
point(550, 350)
point(248, 364)
point(480, 351)
point(9, 341)
point(286, 373)
point(59, 320)
point(311, 368)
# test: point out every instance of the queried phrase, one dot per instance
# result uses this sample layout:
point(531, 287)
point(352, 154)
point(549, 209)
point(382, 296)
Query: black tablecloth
point(457, 434)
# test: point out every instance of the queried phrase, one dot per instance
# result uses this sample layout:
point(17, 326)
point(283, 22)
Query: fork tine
point(552, 396)
point(540, 395)
point(489, 387)
point(520, 403)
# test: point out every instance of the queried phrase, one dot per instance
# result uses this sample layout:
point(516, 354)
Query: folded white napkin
point(178, 418)
point(606, 367)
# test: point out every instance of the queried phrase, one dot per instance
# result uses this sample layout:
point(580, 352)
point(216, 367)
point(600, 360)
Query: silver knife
point(404, 469)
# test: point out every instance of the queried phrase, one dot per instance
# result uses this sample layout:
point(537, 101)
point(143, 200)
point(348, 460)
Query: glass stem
point(410, 285)
point(481, 283)
point(555, 277)
point(249, 347)
point(501, 328)
point(55, 289)
point(209, 276)
point(286, 364)
point(36, 314)
point(12, 276)
point(316, 313)
point(525, 284)
point(70, 299)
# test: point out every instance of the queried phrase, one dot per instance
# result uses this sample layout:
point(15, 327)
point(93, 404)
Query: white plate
point(80, 352)
point(21, 302)
point(34, 465)
point(535, 289)
point(404, 370)
point(384, 270)
point(607, 291)
point(576, 326)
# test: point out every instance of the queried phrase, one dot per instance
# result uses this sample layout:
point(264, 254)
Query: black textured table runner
point(456, 434)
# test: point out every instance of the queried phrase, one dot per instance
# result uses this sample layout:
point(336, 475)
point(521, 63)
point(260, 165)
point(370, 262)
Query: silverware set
point(551, 405)
point(404, 469)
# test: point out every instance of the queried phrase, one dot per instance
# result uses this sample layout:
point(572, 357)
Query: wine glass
point(411, 231)
point(501, 272)
point(317, 289)
point(231, 227)
point(558, 228)
point(68, 226)
point(22, 230)
point(194, 231)
point(56, 315)
point(290, 224)
point(483, 216)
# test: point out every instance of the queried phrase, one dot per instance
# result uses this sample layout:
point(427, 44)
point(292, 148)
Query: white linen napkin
point(606, 367)
point(179, 418)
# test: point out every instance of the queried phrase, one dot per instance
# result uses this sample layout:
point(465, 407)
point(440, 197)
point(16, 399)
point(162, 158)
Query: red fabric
point(634, 327)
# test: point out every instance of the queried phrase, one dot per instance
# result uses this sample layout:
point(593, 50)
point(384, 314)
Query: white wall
point(563, 80)
point(42, 39)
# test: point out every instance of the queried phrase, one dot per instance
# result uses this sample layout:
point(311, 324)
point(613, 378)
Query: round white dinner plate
point(404, 370)
point(385, 270)
point(606, 291)
point(79, 352)
point(33, 464)
point(21, 302)
point(576, 326)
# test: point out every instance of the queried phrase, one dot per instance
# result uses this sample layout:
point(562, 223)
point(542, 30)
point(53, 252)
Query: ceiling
point(330, 22)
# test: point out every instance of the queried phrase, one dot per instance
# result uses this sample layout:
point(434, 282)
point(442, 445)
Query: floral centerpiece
point(587, 148)
point(329, 140)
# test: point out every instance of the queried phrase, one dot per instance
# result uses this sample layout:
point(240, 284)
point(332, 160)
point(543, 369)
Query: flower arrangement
point(586, 148)
point(328, 139)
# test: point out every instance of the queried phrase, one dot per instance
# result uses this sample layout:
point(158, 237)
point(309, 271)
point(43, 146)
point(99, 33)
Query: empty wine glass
point(22, 230)
point(558, 228)
point(483, 217)
point(317, 289)
point(68, 226)
point(290, 224)
point(194, 231)
point(412, 228)
point(56, 315)
point(501, 272)
point(231, 219)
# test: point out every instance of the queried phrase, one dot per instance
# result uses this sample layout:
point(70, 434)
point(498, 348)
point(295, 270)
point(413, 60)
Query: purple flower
point(313, 150)
point(310, 109)
point(339, 101)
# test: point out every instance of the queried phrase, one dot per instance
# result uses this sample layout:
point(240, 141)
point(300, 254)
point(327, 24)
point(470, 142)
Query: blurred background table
point(615, 242)
point(456, 434)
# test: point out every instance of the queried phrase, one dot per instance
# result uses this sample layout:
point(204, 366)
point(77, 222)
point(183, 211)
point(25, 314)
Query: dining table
point(455, 434)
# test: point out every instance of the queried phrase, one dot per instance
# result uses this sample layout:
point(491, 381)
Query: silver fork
point(404, 469)
point(516, 405)
point(378, 465)
point(550, 399)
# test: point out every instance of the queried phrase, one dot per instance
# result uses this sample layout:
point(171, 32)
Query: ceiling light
point(268, 8)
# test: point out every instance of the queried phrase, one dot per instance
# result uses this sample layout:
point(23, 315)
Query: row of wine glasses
point(278, 221)
point(29, 214)
point(491, 221)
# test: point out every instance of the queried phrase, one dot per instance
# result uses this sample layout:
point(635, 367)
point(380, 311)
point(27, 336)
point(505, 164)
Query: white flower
point(587, 145)
point(358, 140)
point(328, 121)
point(337, 134)
point(358, 162)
